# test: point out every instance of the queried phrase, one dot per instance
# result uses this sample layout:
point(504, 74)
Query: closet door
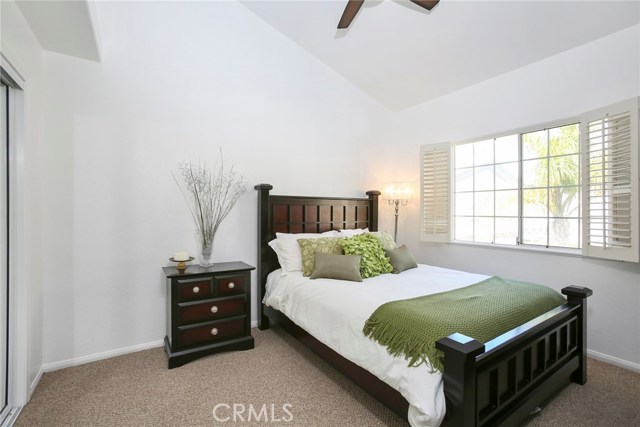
point(4, 255)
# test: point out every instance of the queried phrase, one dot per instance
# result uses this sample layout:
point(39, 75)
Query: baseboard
point(614, 361)
point(35, 382)
point(100, 356)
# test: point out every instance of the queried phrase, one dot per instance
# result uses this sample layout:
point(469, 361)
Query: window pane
point(464, 155)
point(534, 173)
point(564, 202)
point(484, 203)
point(464, 179)
point(564, 233)
point(483, 230)
point(507, 203)
point(507, 176)
point(483, 152)
point(464, 204)
point(534, 202)
point(464, 229)
point(564, 140)
point(483, 177)
point(507, 149)
point(564, 170)
point(534, 231)
point(534, 144)
point(506, 231)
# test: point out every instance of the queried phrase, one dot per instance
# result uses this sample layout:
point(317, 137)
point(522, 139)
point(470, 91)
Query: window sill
point(523, 248)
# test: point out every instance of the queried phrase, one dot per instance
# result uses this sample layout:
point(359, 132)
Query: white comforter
point(334, 311)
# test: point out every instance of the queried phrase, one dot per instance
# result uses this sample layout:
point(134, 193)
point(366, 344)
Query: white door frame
point(18, 295)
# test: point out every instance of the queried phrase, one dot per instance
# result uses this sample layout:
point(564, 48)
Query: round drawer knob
point(232, 285)
point(214, 309)
point(214, 331)
point(196, 289)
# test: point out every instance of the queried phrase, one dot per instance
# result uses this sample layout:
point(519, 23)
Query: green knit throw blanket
point(483, 311)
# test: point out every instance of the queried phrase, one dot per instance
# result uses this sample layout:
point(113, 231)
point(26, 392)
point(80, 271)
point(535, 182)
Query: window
point(486, 191)
point(572, 185)
point(519, 189)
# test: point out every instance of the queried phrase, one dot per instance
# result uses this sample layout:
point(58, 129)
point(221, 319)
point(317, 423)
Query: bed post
point(373, 209)
point(460, 377)
point(577, 296)
point(263, 248)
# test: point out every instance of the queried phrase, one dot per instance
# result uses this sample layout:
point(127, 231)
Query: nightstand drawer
point(211, 332)
point(230, 285)
point(189, 289)
point(212, 309)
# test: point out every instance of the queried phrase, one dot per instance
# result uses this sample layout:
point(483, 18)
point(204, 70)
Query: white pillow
point(350, 233)
point(287, 249)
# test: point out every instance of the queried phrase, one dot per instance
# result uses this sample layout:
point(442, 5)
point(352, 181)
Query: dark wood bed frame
point(498, 383)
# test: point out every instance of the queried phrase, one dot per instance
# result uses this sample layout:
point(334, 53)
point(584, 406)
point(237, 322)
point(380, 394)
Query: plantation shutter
point(436, 219)
point(610, 182)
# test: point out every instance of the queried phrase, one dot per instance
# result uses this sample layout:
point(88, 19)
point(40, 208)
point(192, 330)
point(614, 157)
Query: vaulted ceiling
point(403, 55)
point(398, 53)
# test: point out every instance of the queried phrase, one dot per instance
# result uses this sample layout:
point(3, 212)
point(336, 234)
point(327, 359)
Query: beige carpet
point(138, 390)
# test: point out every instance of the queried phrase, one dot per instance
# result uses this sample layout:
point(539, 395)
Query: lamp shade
point(398, 191)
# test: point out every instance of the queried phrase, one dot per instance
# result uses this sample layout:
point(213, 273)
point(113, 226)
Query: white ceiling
point(398, 53)
point(402, 55)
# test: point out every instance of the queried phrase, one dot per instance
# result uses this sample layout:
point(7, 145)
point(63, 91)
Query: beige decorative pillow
point(401, 259)
point(309, 248)
point(340, 267)
point(385, 239)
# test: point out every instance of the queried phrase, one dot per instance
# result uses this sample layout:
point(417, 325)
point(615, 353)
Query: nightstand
point(208, 311)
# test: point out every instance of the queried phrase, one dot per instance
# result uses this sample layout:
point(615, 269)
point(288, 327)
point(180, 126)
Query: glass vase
point(206, 251)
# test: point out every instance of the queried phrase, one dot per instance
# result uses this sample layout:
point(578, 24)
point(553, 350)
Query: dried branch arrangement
point(210, 193)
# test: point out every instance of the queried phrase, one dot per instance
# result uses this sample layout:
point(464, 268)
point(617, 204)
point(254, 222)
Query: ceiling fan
point(354, 6)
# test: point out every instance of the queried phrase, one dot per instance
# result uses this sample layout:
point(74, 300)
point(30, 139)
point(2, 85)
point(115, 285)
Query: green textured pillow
point(368, 246)
point(401, 259)
point(309, 248)
point(385, 239)
point(341, 267)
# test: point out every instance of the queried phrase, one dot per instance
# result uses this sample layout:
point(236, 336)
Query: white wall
point(590, 76)
point(22, 50)
point(177, 81)
point(104, 213)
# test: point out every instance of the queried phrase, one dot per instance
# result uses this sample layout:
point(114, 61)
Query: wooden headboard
point(297, 214)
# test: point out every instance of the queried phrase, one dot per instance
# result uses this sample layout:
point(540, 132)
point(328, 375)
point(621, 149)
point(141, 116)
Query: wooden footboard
point(494, 384)
point(499, 383)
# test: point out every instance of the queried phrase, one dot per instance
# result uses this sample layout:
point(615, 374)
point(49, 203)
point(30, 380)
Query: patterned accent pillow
point(286, 247)
point(385, 239)
point(309, 248)
point(373, 262)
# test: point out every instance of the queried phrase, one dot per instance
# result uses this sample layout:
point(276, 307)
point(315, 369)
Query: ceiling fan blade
point(427, 4)
point(350, 12)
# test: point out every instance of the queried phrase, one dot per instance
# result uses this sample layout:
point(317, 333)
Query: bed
point(496, 383)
